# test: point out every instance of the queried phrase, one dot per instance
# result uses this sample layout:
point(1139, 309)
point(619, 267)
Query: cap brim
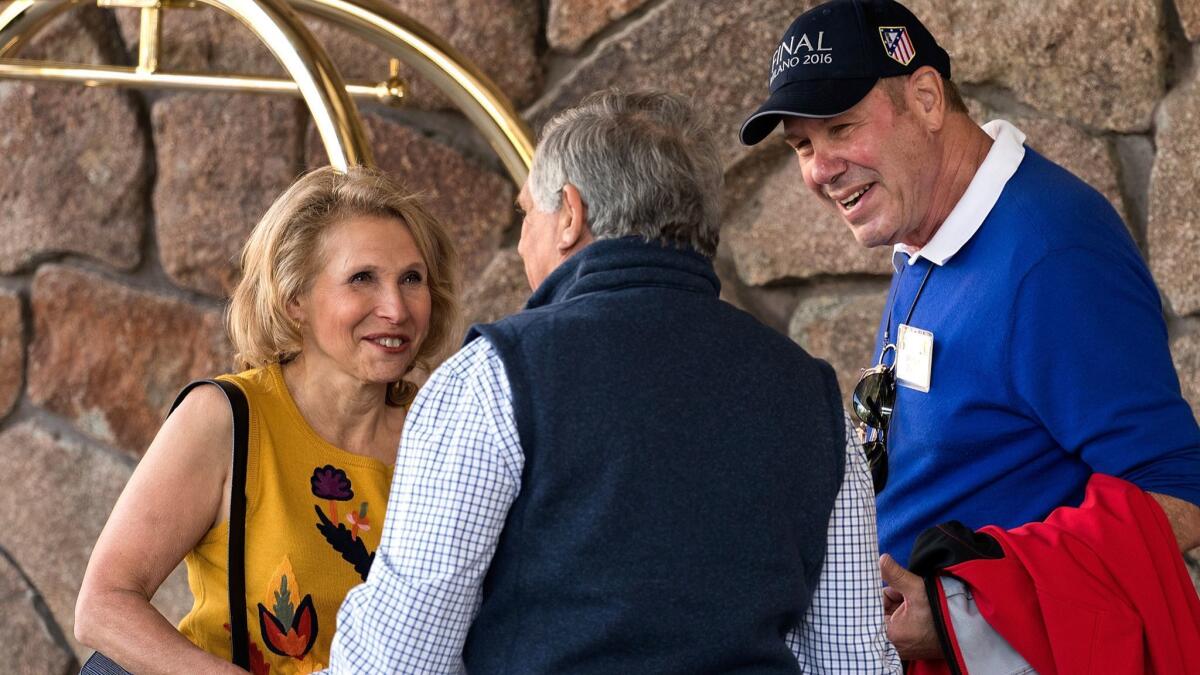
point(805, 98)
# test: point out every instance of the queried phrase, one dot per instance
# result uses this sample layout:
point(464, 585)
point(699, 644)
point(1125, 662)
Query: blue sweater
point(681, 463)
point(1050, 362)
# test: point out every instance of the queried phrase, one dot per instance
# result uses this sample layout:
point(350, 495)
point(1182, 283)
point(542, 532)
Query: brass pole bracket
point(311, 75)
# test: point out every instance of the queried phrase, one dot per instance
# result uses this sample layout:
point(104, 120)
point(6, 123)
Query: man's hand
point(1184, 518)
point(906, 608)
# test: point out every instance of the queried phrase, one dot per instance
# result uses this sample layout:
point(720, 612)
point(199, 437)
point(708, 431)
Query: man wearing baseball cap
point(1022, 378)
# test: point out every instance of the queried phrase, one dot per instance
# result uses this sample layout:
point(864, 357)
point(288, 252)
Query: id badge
point(914, 358)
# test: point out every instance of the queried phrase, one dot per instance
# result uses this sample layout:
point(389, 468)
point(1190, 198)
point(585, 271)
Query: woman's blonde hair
point(282, 257)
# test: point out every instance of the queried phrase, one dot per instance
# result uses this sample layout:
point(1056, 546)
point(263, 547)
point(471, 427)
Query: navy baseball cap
point(833, 54)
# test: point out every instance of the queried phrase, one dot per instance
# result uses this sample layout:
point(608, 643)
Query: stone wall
point(121, 213)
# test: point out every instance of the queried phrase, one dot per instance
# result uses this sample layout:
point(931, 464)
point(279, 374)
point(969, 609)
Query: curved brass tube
point(277, 26)
point(123, 76)
point(434, 59)
point(334, 114)
point(20, 20)
point(389, 29)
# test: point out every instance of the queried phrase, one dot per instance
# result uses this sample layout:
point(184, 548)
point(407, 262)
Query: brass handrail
point(95, 76)
point(434, 59)
point(279, 28)
point(20, 20)
point(392, 31)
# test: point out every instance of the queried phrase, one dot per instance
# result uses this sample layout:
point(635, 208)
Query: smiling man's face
point(873, 165)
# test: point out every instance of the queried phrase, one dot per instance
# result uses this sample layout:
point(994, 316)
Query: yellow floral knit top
point(314, 514)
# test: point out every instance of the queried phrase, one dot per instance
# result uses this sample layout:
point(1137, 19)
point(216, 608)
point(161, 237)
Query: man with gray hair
point(630, 475)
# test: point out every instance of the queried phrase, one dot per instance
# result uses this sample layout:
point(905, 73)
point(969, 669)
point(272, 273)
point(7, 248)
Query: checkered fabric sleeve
point(843, 630)
point(457, 473)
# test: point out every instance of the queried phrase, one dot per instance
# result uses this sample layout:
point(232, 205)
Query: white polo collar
point(1005, 155)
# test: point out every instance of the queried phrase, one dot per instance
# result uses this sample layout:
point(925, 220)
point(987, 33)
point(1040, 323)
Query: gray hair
point(645, 164)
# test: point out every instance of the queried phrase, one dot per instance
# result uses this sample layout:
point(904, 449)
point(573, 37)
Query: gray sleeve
point(984, 651)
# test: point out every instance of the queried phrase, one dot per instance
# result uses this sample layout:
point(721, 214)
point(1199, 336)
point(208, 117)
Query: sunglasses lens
point(879, 475)
point(872, 402)
point(877, 459)
point(874, 396)
point(876, 451)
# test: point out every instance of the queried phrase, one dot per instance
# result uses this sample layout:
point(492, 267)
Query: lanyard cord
point(917, 297)
point(887, 328)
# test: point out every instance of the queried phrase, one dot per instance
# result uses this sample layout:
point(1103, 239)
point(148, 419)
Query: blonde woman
point(348, 284)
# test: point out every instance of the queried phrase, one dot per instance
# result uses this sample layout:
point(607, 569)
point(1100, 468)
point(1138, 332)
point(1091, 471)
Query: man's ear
point(927, 97)
point(573, 229)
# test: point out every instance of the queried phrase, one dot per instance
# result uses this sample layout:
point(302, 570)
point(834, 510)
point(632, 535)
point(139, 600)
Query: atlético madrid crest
point(896, 44)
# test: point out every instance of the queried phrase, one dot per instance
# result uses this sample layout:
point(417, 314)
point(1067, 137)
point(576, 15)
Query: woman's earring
point(401, 394)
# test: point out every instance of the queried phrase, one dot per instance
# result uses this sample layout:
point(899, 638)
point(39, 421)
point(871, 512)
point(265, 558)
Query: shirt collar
point(982, 194)
point(625, 261)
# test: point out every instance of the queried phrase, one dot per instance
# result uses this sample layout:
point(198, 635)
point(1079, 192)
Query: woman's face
point(367, 311)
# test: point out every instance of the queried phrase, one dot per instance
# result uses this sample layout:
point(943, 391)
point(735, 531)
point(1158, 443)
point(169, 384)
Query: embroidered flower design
point(309, 665)
point(258, 661)
point(288, 628)
point(330, 483)
point(359, 522)
point(294, 638)
point(352, 548)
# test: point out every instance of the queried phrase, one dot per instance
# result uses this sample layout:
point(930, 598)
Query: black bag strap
point(240, 633)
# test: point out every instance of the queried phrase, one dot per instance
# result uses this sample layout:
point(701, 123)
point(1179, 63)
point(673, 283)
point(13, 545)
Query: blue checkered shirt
point(457, 473)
